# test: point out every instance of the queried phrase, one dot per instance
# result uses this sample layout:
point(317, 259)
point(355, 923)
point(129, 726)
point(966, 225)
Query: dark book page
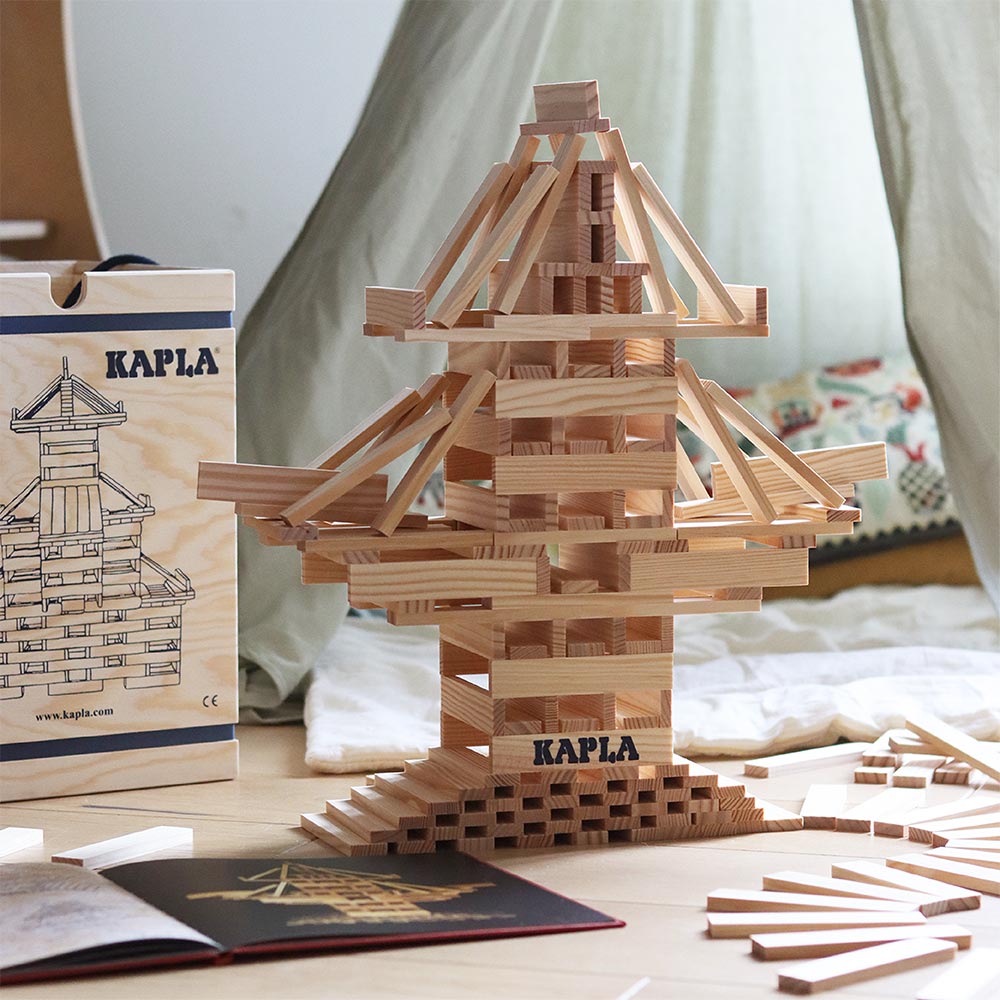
point(56, 911)
point(274, 904)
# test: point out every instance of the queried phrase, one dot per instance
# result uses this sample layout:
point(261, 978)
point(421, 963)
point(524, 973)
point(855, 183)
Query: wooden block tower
point(562, 557)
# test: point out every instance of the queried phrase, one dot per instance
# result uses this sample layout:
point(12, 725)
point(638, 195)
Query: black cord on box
point(118, 260)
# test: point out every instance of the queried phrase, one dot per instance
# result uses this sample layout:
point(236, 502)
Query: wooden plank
point(566, 675)
point(923, 830)
point(628, 200)
point(583, 473)
point(373, 460)
point(739, 925)
point(367, 430)
point(487, 255)
point(401, 308)
point(680, 241)
point(128, 847)
point(974, 845)
point(816, 944)
point(783, 457)
point(758, 901)
point(568, 125)
point(416, 477)
point(986, 859)
point(468, 222)
point(274, 485)
point(974, 977)
point(844, 888)
point(529, 242)
point(560, 101)
point(822, 805)
point(890, 803)
point(955, 743)
point(847, 464)
point(430, 391)
point(585, 397)
point(380, 583)
point(637, 746)
point(866, 963)
point(521, 162)
point(952, 872)
point(476, 505)
point(687, 477)
point(948, 837)
point(664, 571)
point(877, 873)
point(803, 760)
point(712, 429)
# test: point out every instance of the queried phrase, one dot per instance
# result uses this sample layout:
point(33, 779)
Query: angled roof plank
point(433, 451)
point(662, 295)
point(530, 241)
point(687, 477)
point(680, 241)
point(520, 163)
point(714, 432)
point(525, 202)
point(339, 484)
point(429, 393)
point(779, 452)
point(367, 430)
point(462, 232)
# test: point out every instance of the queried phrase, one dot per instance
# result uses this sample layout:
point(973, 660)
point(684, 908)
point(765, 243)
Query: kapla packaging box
point(117, 585)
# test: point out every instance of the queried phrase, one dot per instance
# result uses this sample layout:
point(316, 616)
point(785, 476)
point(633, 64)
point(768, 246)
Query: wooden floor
point(658, 889)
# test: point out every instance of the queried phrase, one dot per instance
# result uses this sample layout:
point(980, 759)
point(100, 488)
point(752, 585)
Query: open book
point(57, 920)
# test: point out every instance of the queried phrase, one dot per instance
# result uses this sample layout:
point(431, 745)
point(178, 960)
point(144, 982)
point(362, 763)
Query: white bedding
point(799, 673)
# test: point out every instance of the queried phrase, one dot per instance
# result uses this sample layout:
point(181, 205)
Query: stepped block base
point(451, 801)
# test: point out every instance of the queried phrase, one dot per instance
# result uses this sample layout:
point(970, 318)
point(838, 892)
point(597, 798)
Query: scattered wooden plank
point(129, 847)
point(559, 101)
point(872, 775)
point(952, 872)
point(975, 976)
point(941, 838)
point(753, 901)
point(923, 831)
point(803, 760)
point(891, 802)
point(822, 804)
point(817, 944)
point(847, 889)
point(742, 925)
point(866, 963)
point(986, 859)
point(876, 873)
point(917, 771)
point(974, 845)
point(947, 739)
point(18, 838)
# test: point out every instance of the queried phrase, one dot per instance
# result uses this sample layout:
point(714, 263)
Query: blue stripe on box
point(118, 741)
point(72, 323)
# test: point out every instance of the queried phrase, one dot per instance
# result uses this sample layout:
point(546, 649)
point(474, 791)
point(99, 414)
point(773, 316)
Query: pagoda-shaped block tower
point(81, 604)
point(562, 557)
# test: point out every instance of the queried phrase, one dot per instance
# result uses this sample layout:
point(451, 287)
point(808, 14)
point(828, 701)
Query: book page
point(51, 910)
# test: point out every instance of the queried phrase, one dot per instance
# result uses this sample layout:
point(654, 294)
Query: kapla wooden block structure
point(562, 558)
point(117, 586)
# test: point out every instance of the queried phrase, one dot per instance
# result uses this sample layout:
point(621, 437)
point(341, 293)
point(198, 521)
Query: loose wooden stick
point(662, 296)
point(952, 872)
point(847, 890)
point(754, 901)
point(986, 859)
point(339, 484)
point(368, 429)
point(714, 431)
point(684, 247)
point(520, 164)
point(816, 944)
point(948, 739)
point(429, 392)
point(132, 845)
point(741, 925)
point(876, 873)
point(803, 760)
point(468, 222)
point(426, 462)
point(866, 963)
point(687, 477)
point(530, 240)
point(779, 453)
point(479, 266)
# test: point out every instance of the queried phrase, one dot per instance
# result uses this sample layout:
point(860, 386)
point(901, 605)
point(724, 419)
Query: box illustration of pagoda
point(563, 556)
point(78, 596)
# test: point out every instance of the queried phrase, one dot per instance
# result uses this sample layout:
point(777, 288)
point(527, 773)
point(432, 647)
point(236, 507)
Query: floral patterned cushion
point(873, 399)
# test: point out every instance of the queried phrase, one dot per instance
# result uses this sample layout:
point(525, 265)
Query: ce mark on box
point(210, 701)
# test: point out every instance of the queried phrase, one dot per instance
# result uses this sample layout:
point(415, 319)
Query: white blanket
point(799, 673)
